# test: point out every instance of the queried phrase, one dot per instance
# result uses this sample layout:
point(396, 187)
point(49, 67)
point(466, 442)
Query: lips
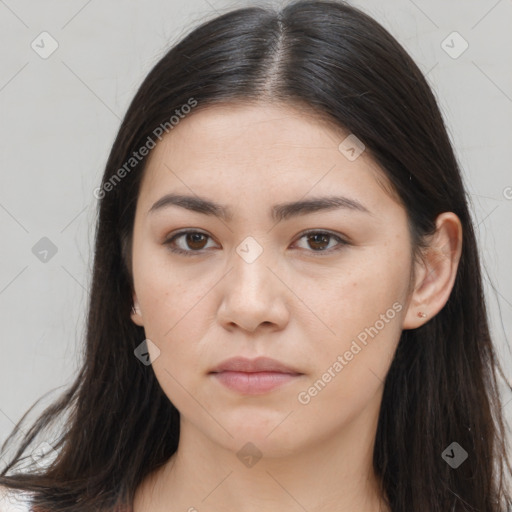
point(260, 364)
point(253, 376)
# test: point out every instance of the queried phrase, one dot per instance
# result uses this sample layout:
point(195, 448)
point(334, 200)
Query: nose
point(253, 295)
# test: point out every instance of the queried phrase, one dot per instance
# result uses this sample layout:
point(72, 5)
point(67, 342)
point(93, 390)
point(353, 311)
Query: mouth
point(254, 376)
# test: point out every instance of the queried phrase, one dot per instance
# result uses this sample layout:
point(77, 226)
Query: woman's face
point(322, 290)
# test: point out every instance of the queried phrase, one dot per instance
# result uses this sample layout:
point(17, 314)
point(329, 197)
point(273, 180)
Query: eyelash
point(341, 242)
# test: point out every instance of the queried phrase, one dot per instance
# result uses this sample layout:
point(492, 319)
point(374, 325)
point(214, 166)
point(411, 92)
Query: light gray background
point(59, 117)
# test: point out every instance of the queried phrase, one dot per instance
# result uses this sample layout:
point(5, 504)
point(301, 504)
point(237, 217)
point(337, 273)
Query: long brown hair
point(442, 385)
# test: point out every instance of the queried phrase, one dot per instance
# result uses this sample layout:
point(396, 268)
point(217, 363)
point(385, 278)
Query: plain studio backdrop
point(68, 72)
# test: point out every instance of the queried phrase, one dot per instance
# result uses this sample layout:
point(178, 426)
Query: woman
point(286, 310)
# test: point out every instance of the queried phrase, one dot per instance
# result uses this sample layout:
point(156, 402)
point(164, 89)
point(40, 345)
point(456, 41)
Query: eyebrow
point(279, 212)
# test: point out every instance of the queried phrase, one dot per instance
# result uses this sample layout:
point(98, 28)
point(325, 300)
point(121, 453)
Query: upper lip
point(260, 364)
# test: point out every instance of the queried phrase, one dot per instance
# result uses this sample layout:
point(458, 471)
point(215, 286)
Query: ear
point(435, 272)
point(136, 315)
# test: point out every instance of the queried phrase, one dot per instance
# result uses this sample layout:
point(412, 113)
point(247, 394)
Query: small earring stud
point(422, 315)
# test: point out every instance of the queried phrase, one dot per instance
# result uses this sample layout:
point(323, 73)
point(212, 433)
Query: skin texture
point(294, 303)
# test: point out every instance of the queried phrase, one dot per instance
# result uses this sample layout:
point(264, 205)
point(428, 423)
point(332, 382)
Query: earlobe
point(136, 315)
point(436, 271)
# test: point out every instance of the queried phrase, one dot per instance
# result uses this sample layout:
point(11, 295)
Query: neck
point(332, 474)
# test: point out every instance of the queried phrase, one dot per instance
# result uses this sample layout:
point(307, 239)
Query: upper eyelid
point(300, 234)
point(176, 234)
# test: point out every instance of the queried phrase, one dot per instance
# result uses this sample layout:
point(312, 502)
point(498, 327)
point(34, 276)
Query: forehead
point(229, 125)
point(248, 150)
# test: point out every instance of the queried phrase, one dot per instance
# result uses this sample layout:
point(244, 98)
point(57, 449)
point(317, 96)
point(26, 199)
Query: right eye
point(191, 242)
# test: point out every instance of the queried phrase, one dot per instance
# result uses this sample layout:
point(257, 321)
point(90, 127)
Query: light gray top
point(13, 501)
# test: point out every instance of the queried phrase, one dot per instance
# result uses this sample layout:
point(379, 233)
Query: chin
point(272, 439)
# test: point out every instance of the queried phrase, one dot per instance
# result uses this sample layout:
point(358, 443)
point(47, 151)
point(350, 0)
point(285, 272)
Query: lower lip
point(254, 383)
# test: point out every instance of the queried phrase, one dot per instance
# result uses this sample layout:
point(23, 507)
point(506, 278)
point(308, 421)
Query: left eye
point(195, 241)
point(321, 241)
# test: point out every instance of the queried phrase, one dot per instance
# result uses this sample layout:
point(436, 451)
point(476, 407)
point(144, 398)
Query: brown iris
point(318, 239)
point(194, 240)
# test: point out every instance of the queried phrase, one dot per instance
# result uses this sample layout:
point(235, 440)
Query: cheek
point(350, 371)
point(166, 296)
point(174, 312)
point(355, 295)
point(363, 308)
point(174, 319)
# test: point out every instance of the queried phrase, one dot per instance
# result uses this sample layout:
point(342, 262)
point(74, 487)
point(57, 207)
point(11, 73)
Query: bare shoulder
point(12, 500)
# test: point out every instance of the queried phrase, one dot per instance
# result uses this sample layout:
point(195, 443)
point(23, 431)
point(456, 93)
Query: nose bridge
point(250, 261)
point(252, 295)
